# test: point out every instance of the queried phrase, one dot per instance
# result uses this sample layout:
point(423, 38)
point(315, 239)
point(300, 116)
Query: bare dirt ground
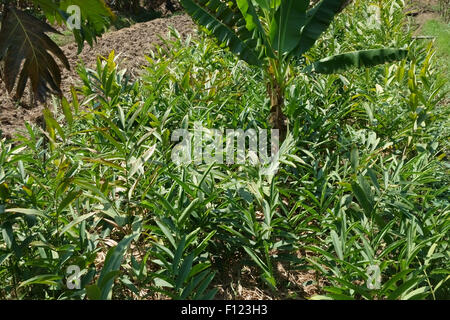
point(422, 11)
point(132, 43)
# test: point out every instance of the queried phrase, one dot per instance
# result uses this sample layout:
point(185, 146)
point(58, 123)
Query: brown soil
point(422, 11)
point(245, 283)
point(132, 43)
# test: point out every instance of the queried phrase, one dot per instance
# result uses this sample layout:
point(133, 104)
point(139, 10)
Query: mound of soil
point(132, 43)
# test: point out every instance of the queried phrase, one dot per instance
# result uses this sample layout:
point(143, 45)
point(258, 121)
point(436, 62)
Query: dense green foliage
point(363, 179)
point(273, 33)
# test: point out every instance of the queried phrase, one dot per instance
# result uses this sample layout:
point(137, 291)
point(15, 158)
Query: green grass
point(62, 39)
point(441, 31)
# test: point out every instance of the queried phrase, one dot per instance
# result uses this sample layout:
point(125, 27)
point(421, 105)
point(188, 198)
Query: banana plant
point(272, 33)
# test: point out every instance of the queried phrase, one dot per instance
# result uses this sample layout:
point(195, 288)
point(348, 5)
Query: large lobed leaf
point(363, 58)
point(25, 50)
point(225, 21)
point(96, 16)
point(95, 12)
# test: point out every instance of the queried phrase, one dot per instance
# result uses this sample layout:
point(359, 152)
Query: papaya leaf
point(96, 16)
point(95, 12)
point(25, 50)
